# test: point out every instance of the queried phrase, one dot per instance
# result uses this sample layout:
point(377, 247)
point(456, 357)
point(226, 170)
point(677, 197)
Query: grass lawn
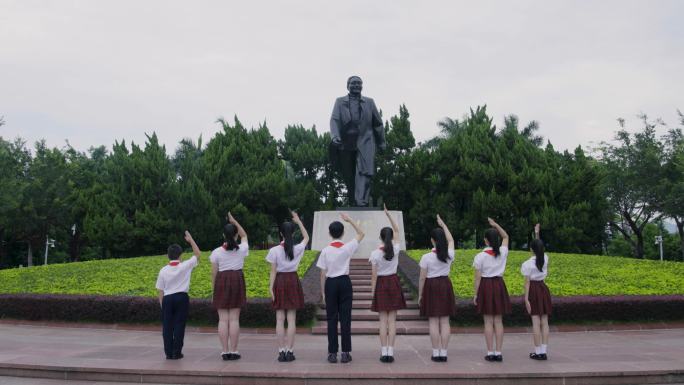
point(577, 274)
point(132, 276)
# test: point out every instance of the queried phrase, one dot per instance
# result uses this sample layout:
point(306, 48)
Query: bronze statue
point(357, 131)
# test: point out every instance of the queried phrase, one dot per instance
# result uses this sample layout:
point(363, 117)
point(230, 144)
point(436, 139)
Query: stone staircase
point(365, 321)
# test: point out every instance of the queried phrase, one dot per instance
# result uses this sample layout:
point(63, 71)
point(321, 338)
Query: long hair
point(286, 230)
point(229, 231)
point(537, 247)
point(492, 236)
point(441, 244)
point(387, 235)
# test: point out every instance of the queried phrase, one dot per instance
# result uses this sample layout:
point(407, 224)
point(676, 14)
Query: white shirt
point(230, 259)
point(529, 269)
point(385, 267)
point(488, 265)
point(283, 265)
point(335, 260)
point(436, 268)
point(176, 279)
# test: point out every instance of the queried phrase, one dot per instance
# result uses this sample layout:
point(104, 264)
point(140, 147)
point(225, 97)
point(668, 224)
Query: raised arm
point(447, 233)
point(195, 249)
point(537, 229)
point(395, 228)
point(502, 232)
point(357, 228)
point(305, 234)
point(241, 231)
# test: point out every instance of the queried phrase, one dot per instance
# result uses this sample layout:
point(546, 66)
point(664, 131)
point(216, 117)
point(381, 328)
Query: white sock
point(384, 351)
point(435, 352)
point(289, 350)
point(390, 351)
point(497, 353)
point(490, 353)
point(442, 352)
point(281, 350)
point(543, 348)
point(537, 350)
point(222, 353)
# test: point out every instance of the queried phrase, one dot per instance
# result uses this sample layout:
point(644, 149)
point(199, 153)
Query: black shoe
point(390, 359)
point(490, 358)
point(332, 358)
point(443, 359)
point(281, 357)
point(436, 358)
point(289, 357)
point(226, 356)
point(178, 356)
point(346, 357)
point(383, 359)
point(234, 357)
point(538, 357)
point(169, 357)
point(498, 358)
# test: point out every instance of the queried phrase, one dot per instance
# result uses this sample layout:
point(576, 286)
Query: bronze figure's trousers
point(358, 185)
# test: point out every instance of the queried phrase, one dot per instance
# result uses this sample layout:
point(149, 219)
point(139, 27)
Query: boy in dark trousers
point(173, 284)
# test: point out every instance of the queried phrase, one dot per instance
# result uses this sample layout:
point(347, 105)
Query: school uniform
point(438, 294)
point(388, 295)
point(334, 259)
point(174, 281)
point(539, 294)
point(229, 285)
point(287, 289)
point(492, 295)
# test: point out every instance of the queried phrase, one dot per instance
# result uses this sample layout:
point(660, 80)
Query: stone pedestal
point(372, 221)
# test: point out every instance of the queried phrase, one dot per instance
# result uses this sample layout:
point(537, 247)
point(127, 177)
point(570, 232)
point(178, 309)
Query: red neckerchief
point(490, 252)
point(174, 263)
point(382, 248)
point(225, 245)
point(282, 244)
point(337, 244)
point(434, 251)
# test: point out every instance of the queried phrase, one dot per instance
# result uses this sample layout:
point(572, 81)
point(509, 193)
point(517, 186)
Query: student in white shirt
point(228, 281)
point(336, 287)
point(285, 287)
point(537, 295)
point(491, 296)
point(173, 284)
point(388, 295)
point(435, 291)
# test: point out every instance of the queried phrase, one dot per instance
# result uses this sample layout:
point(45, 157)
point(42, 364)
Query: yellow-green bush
point(577, 274)
point(133, 276)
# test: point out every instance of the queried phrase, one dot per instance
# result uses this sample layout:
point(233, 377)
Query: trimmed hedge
point(115, 309)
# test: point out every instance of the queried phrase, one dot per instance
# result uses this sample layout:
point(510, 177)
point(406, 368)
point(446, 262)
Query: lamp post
point(659, 242)
point(48, 243)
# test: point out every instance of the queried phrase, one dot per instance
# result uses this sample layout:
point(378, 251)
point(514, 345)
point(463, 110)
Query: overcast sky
point(92, 72)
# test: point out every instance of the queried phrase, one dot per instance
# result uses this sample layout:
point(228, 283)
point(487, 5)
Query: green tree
point(673, 181)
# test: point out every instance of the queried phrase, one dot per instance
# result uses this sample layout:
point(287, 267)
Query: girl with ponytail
point(491, 296)
point(286, 289)
point(386, 290)
point(537, 295)
point(228, 282)
point(435, 292)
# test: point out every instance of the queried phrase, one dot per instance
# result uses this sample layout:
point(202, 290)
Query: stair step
point(368, 315)
point(372, 327)
point(360, 277)
point(361, 282)
point(366, 304)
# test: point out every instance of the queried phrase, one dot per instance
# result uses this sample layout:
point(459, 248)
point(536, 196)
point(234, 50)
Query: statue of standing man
point(357, 131)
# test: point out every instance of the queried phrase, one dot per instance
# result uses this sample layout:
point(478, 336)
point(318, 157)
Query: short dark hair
point(174, 252)
point(349, 79)
point(336, 229)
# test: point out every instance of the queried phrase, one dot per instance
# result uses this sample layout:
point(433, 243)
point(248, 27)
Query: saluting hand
point(345, 217)
point(440, 222)
point(537, 227)
point(295, 217)
point(491, 221)
point(230, 218)
point(188, 237)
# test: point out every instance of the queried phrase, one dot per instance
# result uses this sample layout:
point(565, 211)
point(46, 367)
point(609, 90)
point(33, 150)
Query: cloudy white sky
point(92, 72)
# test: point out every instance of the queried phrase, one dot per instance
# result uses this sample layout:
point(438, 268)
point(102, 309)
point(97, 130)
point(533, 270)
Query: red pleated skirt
point(287, 292)
point(229, 290)
point(540, 298)
point(492, 297)
point(438, 298)
point(388, 294)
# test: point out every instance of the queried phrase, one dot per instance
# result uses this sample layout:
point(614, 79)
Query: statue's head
point(354, 85)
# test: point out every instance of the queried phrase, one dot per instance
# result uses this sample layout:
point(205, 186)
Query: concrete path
point(623, 357)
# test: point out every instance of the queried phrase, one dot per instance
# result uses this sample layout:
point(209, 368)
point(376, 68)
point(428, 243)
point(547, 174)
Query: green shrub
point(577, 274)
point(131, 277)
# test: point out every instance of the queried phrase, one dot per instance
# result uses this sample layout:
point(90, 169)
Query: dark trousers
point(338, 307)
point(174, 315)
